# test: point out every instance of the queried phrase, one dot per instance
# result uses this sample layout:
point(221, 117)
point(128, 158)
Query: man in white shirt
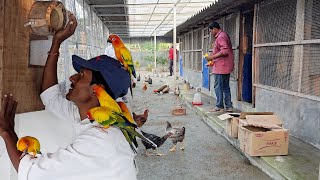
point(95, 154)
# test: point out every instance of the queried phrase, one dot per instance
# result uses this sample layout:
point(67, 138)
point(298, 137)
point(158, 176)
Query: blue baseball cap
point(117, 78)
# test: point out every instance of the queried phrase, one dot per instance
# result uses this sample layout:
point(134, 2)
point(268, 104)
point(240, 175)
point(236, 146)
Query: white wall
point(51, 131)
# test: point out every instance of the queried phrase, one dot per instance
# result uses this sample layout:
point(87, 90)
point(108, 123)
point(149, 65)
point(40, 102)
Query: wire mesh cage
point(288, 51)
point(310, 83)
point(276, 21)
point(275, 67)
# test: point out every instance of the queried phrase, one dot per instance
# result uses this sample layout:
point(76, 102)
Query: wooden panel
point(18, 78)
point(1, 44)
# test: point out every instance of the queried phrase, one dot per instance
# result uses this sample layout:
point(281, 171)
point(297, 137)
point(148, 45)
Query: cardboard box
point(244, 114)
point(255, 118)
point(232, 120)
point(257, 141)
point(232, 127)
point(264, 119)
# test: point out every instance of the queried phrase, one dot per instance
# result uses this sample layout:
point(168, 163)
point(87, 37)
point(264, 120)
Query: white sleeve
point(56, 103)
point(92, 156)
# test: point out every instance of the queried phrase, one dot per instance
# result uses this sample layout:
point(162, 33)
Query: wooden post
point(241, 55)
point(1, 46)
point(17, 78)
point(298, 49)
point(255, 70)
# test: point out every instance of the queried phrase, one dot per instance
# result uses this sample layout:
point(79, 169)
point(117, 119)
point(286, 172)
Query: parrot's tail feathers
point(126, 135)
point(133, 71)
point(148, 141)
point(131, 90)
point(135, 133)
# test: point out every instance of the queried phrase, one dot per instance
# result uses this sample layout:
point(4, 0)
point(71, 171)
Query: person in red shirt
point(223, 65)
point(171, 60)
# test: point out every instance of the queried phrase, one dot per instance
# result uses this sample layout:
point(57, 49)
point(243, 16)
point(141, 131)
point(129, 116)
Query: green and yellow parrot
point(123, 55)
point(109, 113)
point(28, 144)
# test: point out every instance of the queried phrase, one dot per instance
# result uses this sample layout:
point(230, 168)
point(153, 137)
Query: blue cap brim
point(79, 62)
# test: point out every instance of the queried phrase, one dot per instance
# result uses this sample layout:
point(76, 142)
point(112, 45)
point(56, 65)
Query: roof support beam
point(174, 5)
point(146, 4)
point(144, 14)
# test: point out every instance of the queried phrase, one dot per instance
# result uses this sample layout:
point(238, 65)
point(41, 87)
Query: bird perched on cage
point(177, 135)
point(140, 119)
point(28, 144)
point(155, 139)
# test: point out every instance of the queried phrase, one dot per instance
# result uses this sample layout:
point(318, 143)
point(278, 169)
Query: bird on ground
point(176, 91)
point(144, 87)
point(149, 80)
point(157, 140)
point(138, 78)
point(28, 144)
point(123, 55)
point(140, 119)
point(109, 113)
point(178, 135)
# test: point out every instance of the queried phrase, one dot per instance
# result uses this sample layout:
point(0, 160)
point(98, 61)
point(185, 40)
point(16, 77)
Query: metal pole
point(174, 48)
point(155, 51)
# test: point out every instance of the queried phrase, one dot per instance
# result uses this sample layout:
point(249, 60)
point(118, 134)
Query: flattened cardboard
point(244, 114)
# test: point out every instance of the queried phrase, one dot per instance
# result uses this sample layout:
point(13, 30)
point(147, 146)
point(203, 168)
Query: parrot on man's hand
point(110, 114)
point(28, 144)
point(123, 55)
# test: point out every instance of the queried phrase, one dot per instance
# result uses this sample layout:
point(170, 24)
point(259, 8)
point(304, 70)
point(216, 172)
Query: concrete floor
point(207, 155)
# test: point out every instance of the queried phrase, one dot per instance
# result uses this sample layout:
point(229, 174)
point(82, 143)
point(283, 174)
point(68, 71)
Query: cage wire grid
point(294, 66)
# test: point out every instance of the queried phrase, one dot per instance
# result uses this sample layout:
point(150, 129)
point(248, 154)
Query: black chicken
point(177, 135)
point(156, 139)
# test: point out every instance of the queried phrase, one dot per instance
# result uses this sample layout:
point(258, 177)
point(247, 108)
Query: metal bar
point(154, 8)
point(174, 48)
point(136, 21)
point(143, 14)
point(155, 51)
point(146, 4)
point(119, 26)
point(164, 18)
point(284, 91)
point(303, 42)
point(194, 50)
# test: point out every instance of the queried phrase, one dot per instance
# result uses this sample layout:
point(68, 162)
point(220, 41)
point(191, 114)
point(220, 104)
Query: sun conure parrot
point(28, 144)
point(123, 55)
point(109, 114)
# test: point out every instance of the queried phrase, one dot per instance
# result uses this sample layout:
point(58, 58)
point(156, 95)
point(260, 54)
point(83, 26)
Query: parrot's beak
point(109, 41)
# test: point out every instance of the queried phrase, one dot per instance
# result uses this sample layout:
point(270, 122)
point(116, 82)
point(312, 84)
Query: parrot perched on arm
point(109, 114)
point(28, 144)
point(123, 55)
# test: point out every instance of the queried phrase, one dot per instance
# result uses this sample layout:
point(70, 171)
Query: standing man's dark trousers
point(171, 67)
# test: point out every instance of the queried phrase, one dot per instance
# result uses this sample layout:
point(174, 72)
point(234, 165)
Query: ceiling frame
point(144, 4)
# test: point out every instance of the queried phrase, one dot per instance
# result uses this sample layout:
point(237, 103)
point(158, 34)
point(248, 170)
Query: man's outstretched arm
point(50, 69)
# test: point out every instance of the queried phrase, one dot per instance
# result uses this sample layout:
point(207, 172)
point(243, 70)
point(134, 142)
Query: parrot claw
point(24, 152)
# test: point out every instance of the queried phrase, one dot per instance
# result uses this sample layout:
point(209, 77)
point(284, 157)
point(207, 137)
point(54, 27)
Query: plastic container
point(197, 99)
